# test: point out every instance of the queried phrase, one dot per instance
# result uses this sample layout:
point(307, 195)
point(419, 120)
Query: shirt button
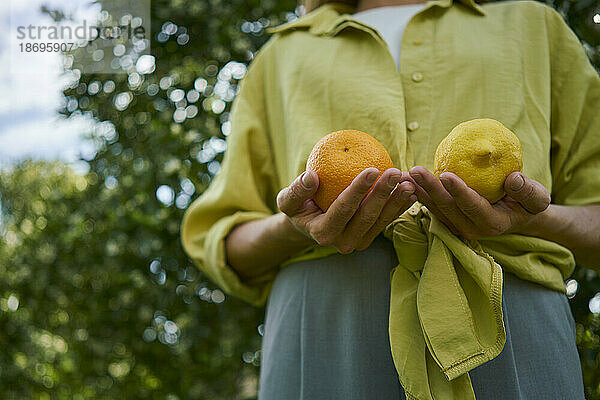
point(413, 126)
point(417, 42)
point(417, 77)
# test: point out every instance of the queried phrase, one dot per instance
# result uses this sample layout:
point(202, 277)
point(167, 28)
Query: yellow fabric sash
point(446, 299)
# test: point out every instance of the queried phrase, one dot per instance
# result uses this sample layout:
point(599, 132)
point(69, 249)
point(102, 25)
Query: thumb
point(291, 198)
point(532, 195)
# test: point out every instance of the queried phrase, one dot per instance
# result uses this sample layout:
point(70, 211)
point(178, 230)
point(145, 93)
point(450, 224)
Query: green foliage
point(97, 299)
point(109, 306)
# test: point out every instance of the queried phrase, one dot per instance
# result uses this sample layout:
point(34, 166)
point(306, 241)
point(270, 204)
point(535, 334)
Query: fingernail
point(307, 180)
point(517, 183)
point(372, 177)
point(393, 181)
point(417, 177)
point(447, 182)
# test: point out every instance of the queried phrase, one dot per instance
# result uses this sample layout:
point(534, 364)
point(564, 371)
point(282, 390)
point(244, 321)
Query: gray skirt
point(326, 336)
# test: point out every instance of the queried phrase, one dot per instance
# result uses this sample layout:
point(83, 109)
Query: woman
point(327, 276)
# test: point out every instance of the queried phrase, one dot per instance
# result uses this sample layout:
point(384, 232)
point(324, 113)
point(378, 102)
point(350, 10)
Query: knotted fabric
point(446, 299)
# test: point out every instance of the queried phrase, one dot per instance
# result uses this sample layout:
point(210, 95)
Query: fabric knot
point(446, 300)
point(410, 239)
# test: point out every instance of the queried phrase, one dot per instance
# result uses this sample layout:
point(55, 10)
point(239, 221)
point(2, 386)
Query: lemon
point(482, 152)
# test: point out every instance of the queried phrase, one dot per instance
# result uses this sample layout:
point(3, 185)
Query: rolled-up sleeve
point(243, 190)
point(575, 122)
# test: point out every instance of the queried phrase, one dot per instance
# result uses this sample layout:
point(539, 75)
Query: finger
point(346, 204)
point(291, 198)
point(532, 195)
point(400, 200)
point(371, 206)
point(426, 200)
point(472, 204)
point(397, 201)
point(442, 199)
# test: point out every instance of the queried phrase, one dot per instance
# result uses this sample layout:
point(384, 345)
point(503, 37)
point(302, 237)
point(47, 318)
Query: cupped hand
point(470, 215)
point(356, 217)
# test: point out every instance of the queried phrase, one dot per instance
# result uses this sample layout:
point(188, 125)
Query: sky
point(32, 95)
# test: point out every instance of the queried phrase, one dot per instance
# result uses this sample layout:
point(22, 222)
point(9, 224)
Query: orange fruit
point(339, 157)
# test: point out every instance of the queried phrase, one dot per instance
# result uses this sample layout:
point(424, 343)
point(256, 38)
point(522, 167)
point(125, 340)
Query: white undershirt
point(390, 22)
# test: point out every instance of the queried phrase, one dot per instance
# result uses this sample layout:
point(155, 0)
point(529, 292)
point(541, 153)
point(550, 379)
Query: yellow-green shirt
point(516, 62)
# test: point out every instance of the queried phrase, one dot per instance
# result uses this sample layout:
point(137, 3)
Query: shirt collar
point(325, 19)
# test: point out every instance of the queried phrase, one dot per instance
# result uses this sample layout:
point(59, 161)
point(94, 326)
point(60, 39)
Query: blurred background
point(97, 298)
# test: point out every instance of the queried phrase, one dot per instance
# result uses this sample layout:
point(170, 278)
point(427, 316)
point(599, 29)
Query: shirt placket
point(416, 59)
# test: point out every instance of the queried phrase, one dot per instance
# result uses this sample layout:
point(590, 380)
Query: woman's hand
point(470, 215)
point(352, 221)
